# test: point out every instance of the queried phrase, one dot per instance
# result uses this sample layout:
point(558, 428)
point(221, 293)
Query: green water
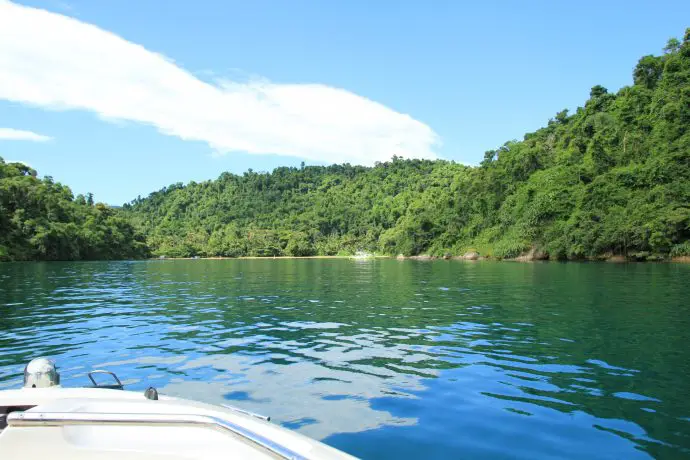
point(383, 359)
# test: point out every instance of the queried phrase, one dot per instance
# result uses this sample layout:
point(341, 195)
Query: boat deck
point(85, 423)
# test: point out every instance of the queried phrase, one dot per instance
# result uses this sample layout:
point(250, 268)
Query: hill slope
point(612, 178)
point(40, 220)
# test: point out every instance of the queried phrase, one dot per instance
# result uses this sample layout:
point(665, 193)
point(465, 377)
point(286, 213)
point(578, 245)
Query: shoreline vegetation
point(469, 257)
point(610, 181)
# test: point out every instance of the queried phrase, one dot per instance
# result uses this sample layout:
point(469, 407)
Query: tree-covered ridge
point(612, 178)
point(305, 211)
point(41, 220)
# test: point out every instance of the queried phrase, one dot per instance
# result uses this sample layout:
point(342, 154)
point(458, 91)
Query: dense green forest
point(41, 220)
point(612, 178)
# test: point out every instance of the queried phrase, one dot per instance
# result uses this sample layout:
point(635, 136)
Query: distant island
point(611, 180)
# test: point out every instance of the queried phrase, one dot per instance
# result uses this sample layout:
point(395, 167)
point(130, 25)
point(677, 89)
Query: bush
point(680, 250)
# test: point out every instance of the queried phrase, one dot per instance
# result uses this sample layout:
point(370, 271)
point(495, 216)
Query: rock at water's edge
point(532, 255)
point(617, 259)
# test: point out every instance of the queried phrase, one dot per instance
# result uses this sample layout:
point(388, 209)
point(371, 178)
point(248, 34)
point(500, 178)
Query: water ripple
point(380, 358)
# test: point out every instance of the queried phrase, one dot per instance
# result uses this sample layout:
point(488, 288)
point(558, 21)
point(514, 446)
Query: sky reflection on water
point(382, 358)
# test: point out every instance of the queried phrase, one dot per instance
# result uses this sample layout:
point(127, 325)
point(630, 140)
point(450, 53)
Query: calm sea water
point(383, 359)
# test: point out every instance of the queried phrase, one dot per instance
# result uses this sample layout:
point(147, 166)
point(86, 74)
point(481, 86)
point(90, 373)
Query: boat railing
point(35, 419)
point(114, 386)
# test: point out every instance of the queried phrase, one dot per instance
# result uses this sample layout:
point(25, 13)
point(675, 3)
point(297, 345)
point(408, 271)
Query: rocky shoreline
point(471, 256)
point(535, 255)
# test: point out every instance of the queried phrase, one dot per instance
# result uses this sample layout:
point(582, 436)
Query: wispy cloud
point(19, 161)
point(57, 62)
point(9, 134)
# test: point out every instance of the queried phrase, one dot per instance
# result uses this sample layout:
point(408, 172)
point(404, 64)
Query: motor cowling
point(41, 373)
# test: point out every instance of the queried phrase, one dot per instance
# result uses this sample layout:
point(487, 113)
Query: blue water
point(384, 358)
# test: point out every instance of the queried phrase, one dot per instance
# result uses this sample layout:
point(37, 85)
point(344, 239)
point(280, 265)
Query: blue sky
point(292, 81)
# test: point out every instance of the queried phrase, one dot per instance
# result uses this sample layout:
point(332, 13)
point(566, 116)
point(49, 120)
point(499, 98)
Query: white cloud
point(19, 161)
point(57, 62)
point(9, 134)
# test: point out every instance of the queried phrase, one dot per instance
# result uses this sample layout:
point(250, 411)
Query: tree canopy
point(41, 220)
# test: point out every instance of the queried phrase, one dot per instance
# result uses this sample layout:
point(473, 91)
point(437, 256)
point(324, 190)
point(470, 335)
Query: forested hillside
point(611, 178)
point(40, 220)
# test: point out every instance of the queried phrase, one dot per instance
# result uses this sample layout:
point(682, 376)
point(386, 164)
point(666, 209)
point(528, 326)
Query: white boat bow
point(44, 420)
